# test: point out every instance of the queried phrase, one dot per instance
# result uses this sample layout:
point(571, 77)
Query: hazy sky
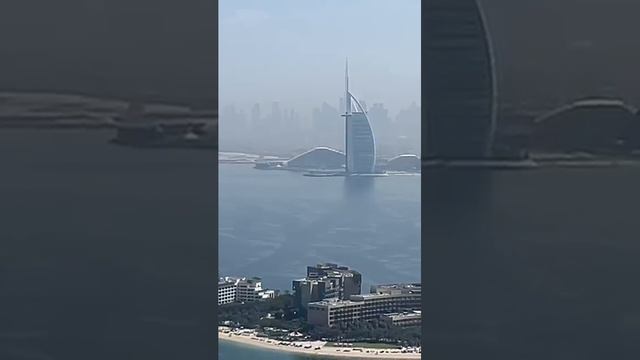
point(293, 51)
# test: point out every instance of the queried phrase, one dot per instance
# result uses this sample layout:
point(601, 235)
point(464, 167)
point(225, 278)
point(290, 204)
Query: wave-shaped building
point(360, 143)
point(460, 85)
point(596, 125)
point(319, 158)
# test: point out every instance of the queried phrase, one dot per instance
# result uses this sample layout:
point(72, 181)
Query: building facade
point(460, 87)
point(226, 292)
point(332, 312)
point(249, 290)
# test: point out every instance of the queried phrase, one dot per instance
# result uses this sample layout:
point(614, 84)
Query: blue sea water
point(273, 224)
point(229, 350)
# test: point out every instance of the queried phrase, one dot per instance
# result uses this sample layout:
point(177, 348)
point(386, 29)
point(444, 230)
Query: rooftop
point(358, 299)
point(416, 314)
point(397, 288)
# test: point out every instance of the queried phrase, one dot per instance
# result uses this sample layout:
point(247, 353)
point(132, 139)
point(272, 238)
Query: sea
point(274, 223)
point(233, 350)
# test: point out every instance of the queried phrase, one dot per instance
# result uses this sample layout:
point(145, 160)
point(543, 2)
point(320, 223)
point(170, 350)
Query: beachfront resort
point(325, 314)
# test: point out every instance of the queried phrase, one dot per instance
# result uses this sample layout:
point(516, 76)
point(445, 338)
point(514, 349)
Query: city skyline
point(304, 56)
point(321, 125)
point(306, 113)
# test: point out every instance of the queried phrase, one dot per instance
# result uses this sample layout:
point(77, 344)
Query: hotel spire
point(347, 95)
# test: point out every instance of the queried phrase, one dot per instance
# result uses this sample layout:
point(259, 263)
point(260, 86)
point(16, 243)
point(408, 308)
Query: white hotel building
point(242, 290)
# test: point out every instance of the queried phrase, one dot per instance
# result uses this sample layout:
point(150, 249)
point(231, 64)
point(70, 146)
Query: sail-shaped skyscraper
point(360, 145)
point(460, 87)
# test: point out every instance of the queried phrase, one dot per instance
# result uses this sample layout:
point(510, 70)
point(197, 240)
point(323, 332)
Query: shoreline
point(533, 165)
point(249, 339)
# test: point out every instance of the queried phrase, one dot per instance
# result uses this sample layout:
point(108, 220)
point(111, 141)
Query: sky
point(293, 52)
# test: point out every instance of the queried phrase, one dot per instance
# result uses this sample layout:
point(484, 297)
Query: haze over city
point(283, 56)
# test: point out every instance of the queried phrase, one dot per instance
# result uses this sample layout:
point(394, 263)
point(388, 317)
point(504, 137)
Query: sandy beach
point(317, 348)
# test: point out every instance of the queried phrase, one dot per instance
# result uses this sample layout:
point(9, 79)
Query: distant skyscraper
point(327, 130)
point(359, 140)
point(407, 129)
point(276, 113)
point(255, 116)
point(379, 116)
point(227, 119)
point(292, 125)
point(364, 106)
point(460, 87)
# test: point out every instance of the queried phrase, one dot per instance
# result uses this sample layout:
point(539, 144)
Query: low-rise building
point(242, 290)
point(388, 299)
point(267, 294)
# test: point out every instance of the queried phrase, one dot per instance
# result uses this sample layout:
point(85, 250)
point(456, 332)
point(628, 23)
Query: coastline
point(481, 165)
point(324, 351)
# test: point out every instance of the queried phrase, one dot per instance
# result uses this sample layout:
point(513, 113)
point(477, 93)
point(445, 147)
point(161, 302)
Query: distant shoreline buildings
point(331, 294)
point(360, 155)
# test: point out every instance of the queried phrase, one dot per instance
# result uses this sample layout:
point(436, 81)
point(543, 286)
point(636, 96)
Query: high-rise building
point(326, 281)
point(365, 108)
point(380, 119)
point(348, 282)
point(360, 145)
point(460, 86)
point(255, 116)
point(326, 130)
point(276, 115)
point(306, 291)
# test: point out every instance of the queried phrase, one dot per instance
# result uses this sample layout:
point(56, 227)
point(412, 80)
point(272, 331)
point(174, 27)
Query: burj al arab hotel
point(360, 144)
